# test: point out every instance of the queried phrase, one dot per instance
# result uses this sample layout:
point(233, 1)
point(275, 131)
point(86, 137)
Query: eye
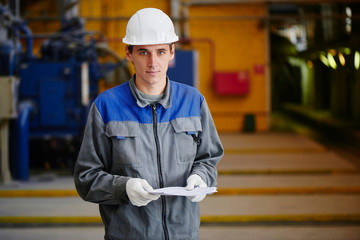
point(143, 53)
point(162, 52)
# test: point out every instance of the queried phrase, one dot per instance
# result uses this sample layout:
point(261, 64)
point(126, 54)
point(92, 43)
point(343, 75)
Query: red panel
point(232, 83)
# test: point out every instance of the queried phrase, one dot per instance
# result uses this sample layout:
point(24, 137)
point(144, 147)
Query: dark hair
point(130, 47)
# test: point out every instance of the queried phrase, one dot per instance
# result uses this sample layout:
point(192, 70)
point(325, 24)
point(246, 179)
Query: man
point(148, 133)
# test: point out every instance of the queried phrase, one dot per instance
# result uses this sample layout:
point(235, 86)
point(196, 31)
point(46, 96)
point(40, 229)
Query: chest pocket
point(125, 144)
point(187, 138)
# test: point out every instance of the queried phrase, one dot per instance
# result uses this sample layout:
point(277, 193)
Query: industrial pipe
point(21, 159)
point(29, 40)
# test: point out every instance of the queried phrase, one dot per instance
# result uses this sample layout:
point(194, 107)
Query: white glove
point(137, 191)
point(192, 182)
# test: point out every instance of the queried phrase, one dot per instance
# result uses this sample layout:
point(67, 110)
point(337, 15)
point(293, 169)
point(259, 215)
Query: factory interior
point(282, 82)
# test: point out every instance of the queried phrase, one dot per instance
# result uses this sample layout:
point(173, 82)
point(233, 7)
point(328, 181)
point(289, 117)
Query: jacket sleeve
point(92, 180)
point(210, 149)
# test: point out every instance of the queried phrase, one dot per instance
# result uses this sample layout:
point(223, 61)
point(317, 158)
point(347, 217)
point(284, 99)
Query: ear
point(172, 53)
point(128, 54)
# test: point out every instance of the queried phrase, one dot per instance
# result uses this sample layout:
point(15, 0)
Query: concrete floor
point(271, 186)
point(205, 233)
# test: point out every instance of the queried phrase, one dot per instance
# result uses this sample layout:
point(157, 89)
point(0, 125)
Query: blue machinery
point(56, 89)
point(61, 83)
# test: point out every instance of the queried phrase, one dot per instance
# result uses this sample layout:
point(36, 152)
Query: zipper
point(161, 180)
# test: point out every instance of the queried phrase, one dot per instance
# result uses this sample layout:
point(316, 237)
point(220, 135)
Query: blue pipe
point(29, 40)
point(21, 164)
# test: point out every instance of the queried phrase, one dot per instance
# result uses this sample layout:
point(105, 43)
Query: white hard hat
point(150, 26)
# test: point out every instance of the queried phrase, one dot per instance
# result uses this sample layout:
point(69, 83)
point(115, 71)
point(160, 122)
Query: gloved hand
point(137, 191)
point(195, 181)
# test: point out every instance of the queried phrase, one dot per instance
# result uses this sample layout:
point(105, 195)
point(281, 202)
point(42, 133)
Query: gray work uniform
point(163, 143)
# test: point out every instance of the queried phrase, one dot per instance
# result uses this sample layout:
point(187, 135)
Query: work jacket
point(164, 144)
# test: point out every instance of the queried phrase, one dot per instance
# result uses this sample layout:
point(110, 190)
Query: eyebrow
point(144, 49)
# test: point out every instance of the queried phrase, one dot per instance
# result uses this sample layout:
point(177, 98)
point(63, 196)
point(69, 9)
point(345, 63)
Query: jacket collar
point(165, 101)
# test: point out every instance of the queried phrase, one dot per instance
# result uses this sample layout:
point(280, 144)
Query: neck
point(151, 89)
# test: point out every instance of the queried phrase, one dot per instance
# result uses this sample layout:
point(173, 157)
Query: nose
point(152, 60)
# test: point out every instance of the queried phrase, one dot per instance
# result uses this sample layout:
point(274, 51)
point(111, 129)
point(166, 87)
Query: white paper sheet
point(181, 191)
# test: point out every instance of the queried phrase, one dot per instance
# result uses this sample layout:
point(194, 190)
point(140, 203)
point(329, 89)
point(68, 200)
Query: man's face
point(150, 63)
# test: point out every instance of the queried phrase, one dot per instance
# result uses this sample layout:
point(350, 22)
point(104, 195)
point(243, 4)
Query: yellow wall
point(237, 31)
point(239, 46)
point(38, 9)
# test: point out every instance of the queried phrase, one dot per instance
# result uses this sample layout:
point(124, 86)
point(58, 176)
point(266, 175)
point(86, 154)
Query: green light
point(357, 60)
point(324, 59)
point(332, 61)
point(347, 51)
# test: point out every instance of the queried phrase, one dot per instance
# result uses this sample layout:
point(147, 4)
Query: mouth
point(152, 72)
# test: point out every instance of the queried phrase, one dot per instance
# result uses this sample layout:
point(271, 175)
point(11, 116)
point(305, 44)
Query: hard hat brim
point(174, 40)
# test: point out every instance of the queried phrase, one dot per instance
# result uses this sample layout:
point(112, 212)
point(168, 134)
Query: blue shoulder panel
point(119, 104)
point(185, 102)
